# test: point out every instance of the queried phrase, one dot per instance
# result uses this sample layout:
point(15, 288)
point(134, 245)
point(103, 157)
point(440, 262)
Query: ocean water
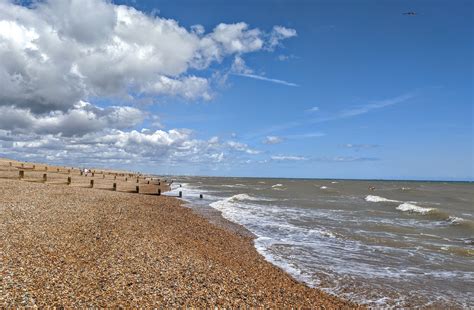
point(404, 244)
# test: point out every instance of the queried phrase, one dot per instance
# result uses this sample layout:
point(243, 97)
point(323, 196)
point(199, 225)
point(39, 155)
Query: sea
point(378, 243)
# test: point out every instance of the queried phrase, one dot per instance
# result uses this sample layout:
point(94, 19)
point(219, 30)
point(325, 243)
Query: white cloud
point(213, 140)
point(83, 118)
point(218, 157)
point(51, 57)
point(262, 78)
point(56, 55)
point(345, 159)
point(272, 140)
point(280, 33)
point(360, 146)
point(237, 38)
point(242, 147)
point(239, 66)
point(283, 57)
point(288, 158)
point(306, 135)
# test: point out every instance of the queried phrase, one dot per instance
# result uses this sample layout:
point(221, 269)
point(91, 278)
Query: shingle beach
point(73, 246)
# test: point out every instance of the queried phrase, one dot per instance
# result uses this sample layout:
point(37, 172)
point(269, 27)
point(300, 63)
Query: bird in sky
point(410, 13)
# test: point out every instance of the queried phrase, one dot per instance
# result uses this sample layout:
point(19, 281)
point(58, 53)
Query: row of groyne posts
point(127, 176)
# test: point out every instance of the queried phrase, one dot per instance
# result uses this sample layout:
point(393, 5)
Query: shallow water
point(403, 243)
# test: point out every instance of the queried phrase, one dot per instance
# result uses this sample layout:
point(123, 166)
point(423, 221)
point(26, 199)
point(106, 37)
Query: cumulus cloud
point(83, 118)
point(175, 146)
point(51, 57)
point(55, 63)
point(280, 33)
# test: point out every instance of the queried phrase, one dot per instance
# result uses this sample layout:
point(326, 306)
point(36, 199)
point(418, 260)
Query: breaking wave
point(373, 198)
point(408, 207)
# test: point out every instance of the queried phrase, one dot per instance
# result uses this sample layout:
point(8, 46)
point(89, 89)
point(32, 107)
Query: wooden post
point(137, 189)
point(137, 180)
point(180, 194)
point(114, 187)
point(93, 174)
point(115, 177)
point(45, 178)
point(45, 168)
point(159, 183)
point(69, 171)
point(92, 184)
point(21, 174)
point(200, 196)
point(126, 179)
point(159, 191)
point(103, 176)
point(69, 180)
point(148, 182)
point(34, 166)
point(11, 164)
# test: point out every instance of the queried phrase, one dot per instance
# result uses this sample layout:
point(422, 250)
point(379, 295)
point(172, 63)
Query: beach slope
point(76, 247)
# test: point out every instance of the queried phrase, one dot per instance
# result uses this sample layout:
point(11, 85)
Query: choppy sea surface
point(404, 244)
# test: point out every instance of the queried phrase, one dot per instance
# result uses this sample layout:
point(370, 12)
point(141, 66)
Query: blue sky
point(346, 55)
point(362, 91)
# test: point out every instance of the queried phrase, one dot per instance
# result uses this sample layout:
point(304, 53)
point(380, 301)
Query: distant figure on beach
point(371, 188)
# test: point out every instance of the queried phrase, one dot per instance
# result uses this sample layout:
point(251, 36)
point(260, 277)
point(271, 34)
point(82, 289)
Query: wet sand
point(73, 246)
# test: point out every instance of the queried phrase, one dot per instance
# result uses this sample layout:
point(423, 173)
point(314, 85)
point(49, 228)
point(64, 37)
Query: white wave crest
point(243, 197)
point(456, 220)
point(233, 185)
point(408, 207)
point(278, 187)
point(372, 198)
point(323, 187)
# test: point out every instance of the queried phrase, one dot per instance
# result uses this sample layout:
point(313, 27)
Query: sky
point(307, 89)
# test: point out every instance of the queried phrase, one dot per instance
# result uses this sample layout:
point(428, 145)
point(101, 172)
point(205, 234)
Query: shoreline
point(76, 246)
